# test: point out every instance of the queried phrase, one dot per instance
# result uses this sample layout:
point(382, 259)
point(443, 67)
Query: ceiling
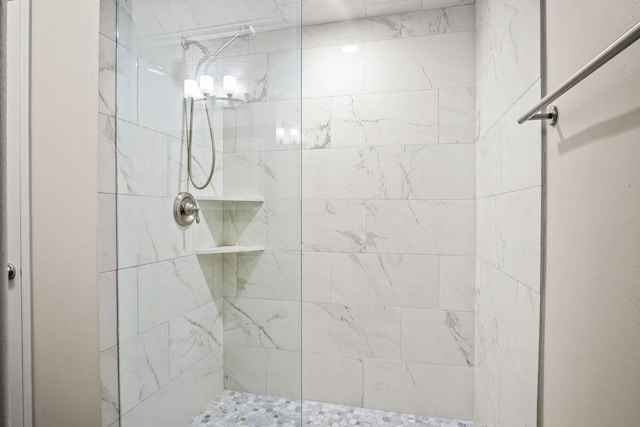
point(323, 11)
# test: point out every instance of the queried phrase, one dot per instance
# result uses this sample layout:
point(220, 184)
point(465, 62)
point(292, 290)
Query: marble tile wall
point(509, 194)
point(262, 159)
point(388, 212)
point(386, 314)
point(161, 305)
point(106, 178)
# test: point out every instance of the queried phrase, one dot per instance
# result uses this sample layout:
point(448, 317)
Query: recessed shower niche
point(346, 257)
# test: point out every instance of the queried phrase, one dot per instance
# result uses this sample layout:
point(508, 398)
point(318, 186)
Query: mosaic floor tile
point(232, 408)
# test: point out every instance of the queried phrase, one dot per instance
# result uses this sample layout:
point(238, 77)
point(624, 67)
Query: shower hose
point(190, 146)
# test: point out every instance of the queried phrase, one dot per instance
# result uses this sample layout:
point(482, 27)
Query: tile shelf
point(229, 199)
point(218, 250)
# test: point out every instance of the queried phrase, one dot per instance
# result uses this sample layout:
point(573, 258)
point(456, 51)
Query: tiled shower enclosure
point(369, 246)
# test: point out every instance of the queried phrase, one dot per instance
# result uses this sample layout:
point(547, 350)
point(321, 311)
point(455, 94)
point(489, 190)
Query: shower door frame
point(23, 220)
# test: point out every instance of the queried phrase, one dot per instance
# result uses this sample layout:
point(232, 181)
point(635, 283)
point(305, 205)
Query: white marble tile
point(332, 378)
point(405, 118)
point(245, 368)
point(519, 377)
point(110, 400)
point(171, 288)
point(437, 337)
point(276, 40)
point(316, 123)
point(127, 89)
point(147, 231)
point(430, 62)
point(176, 166)
point(108, 18)
point(369, 173)
point(351, 331)
point(528, 333)
point(195, 335)
point(352, 31)
point(316, 276)
point(391, 280)
point(244, 174)
point(509, 234)
point(144, 366)
point(457, 283)
point(416, 226)
point(126, 24)
point(495, 338)
point(316, 11)
point(331, 72)
point(230, 275)
point(522, 146)
point(217, 271)
point(284, 74)
point(210, 231)
point(106, 154)
point(201, 167)
point(439, 172)
point(261, 323)
point(457, 115)
point(333, 225)
point(108, 310)
point(160, 100)
point(438, 21)
point(437, 4)
point(251, 72)
point(386, 7)
point(268, 275)
point(287, 116)
point(283, 226)
point(282, 175)
point(142, 161)
point(181, 400)
point(245, 223)
point(127, 303)
point(107, 76)
point(416, 388)
point(284, 374)
point(489, 168)
point(508, 64)
point(508, 56)
point(254, 126)
point(106, 232)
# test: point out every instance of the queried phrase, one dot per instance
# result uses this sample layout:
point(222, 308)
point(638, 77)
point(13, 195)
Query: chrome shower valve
point(186, 209)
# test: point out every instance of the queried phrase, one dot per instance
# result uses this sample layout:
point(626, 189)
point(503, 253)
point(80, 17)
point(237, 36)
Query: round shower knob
point(186, 210)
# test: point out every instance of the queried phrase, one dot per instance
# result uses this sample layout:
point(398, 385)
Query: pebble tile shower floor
point(232, 408)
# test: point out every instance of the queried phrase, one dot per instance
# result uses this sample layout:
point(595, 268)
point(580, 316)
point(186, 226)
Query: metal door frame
point(25, 206)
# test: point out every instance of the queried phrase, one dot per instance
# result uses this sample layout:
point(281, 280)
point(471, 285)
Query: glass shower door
point(208, 311)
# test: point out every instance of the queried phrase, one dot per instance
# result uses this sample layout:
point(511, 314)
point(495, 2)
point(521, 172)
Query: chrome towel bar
point(626, 40)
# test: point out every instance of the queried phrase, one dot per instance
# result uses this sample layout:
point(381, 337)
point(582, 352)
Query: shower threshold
point(233, 408)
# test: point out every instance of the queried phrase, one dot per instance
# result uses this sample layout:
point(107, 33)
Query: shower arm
point(208, 56)
point(246, 33)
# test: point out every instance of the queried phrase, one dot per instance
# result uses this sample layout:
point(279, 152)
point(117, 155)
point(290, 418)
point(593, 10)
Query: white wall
point(591, 339)
point(508, 171)
point(64, 206)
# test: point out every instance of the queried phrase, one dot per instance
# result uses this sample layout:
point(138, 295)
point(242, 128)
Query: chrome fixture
point(212, 138)
point(11, 271)
point(245, 33)
point(186, 209)
point(623, 42)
